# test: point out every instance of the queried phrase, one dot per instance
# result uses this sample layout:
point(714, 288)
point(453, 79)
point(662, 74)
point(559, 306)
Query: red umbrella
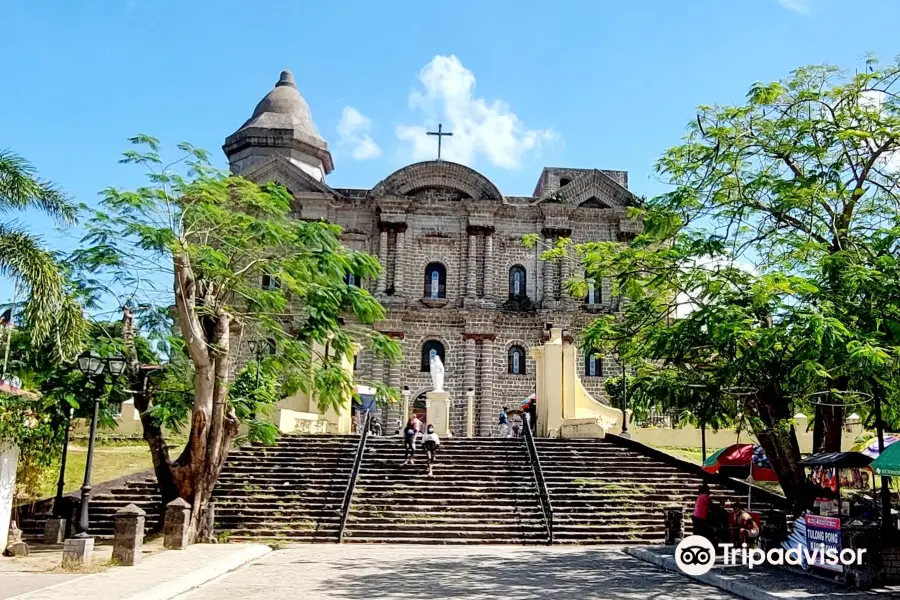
point(745, 456)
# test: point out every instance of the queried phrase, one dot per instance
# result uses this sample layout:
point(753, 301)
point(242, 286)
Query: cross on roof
point(440, 134)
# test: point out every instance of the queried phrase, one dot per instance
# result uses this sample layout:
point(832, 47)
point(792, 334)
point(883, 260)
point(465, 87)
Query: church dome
point(284, 106)
point(281, 124)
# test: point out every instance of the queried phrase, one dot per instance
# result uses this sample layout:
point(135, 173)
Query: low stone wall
point(690, 437)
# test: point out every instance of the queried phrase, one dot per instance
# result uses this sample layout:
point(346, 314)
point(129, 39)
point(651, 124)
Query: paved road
point(13, 584)
point(409, 572)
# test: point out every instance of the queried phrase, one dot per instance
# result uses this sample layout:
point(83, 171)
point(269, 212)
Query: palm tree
point(49, 313)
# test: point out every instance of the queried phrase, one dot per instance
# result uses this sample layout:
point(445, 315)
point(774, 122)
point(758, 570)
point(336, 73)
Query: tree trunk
point(779, 441)
point(828, 428)
point(213, 427)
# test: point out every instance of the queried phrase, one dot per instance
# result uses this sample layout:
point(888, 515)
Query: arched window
point(517, 281)
point(564, 181)
point(593, 364)
point(435, 281)
point(269, 282)
point(351, 279)
point(594, 295)
point(429, 349)
point(516, 360)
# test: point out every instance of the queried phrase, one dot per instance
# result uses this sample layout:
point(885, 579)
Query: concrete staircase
point(483, 491)
point(108, 498)
point(603, 492)
point(608, 491)
point(290, 492)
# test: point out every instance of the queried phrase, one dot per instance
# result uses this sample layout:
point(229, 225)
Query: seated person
point(748, 530)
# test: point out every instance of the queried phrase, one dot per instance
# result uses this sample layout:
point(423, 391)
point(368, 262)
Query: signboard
point(823, 534)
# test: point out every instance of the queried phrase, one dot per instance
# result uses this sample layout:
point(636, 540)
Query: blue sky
point(524, 83)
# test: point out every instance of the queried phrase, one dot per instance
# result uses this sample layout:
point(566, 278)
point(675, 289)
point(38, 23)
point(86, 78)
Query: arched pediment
point(438, 175)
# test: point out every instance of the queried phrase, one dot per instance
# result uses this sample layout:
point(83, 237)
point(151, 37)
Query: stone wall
point(448, 214)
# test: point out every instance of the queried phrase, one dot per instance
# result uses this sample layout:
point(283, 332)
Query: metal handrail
point(354, 475)
point(543, 492)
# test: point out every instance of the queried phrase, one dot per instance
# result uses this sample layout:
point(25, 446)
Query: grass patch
point(95, 566)
point(691, 455)
point(110, 462)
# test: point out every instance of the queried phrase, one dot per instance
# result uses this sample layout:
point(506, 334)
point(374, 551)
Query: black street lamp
point(93, 366)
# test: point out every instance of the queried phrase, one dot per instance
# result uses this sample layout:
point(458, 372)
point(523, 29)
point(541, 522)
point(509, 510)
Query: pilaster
point(486, 406)
point(381, 284)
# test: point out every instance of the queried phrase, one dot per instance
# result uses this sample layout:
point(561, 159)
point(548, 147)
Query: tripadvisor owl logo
point(695, 555)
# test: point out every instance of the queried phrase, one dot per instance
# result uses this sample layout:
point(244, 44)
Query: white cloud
point(353, 129)
point(798, 6)
point(479, 126)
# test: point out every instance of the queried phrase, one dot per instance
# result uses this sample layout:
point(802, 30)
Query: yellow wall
point(565, 408)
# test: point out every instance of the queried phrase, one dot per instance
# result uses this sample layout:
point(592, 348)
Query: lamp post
point(93, 366)
point(470, 412)
point(406, 393)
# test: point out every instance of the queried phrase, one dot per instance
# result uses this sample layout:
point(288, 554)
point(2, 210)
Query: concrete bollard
point(77, 551)
point(674, 525)
point(177, 524)
point(129, 535)
point(55, 531)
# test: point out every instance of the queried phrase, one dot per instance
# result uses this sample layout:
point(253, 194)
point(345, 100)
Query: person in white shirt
point(431, 443)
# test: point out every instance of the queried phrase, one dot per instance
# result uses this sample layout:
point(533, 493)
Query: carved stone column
point(381, 284)
point(399, 261)
point(377, 368)
point(489, 264)
point(486, 407)
point(564, 273)
point(549, 268)
point(393, 411)
point(469, 369)
point(470, 265)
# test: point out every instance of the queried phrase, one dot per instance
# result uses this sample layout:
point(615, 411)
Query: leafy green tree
point(771, 263)
point(35, 421)
point(48, 311)
point(218, 238)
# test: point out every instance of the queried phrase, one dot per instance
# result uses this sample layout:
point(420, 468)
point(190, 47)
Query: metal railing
point(543, 492)
point(354, 475)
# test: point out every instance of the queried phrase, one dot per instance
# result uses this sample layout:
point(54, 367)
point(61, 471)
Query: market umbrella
point(888, 463)
point(742, 459)
point(527, 402)
point(870, 447)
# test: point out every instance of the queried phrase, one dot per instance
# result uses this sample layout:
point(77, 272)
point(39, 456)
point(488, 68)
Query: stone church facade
point(457, 280)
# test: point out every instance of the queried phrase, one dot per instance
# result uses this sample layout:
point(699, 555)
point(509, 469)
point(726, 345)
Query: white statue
point(437, 372)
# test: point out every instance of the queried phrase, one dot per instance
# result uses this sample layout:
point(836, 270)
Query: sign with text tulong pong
point(824, 534)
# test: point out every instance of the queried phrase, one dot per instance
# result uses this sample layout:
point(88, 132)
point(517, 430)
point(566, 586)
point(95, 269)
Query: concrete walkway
point(159, 577)
point(438, 572)
point(761, 583)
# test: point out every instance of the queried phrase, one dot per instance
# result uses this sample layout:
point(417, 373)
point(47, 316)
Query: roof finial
point(287, 78)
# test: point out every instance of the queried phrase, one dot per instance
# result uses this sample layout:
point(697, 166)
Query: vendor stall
point(840, 498)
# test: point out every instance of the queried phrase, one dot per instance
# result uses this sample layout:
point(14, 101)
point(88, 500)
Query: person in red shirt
point(701, 512)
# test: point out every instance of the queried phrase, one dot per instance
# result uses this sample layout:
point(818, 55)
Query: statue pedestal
point(437, 412)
